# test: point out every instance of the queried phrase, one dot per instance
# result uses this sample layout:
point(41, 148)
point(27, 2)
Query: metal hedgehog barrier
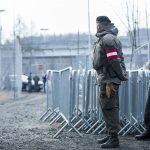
point(72, 101)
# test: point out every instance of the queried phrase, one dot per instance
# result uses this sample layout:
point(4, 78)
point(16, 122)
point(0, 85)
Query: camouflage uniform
point(109, 64)
point(146, 134)
point(147, 111)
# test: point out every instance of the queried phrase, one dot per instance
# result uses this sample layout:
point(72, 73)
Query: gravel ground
point(20, 129)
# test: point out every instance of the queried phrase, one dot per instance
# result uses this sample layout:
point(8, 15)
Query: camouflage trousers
point(110, 108)
point(147, 112)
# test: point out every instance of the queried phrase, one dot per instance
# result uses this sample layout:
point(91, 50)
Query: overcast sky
point(68, 16)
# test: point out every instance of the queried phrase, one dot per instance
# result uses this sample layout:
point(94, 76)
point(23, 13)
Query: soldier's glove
point(110, 91)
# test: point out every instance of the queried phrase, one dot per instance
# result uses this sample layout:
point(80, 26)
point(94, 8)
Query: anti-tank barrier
point(72, 96)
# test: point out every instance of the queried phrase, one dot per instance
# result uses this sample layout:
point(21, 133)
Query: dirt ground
point(20, 128)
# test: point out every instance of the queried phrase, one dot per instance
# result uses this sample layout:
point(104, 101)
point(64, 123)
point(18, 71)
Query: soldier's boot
point(103, 140)
point(144, 136)
point(112, 142)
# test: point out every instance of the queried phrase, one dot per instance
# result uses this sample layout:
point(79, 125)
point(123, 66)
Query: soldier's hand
point(125, 77)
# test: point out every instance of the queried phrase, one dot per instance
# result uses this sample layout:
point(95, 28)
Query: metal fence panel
point(67, 94)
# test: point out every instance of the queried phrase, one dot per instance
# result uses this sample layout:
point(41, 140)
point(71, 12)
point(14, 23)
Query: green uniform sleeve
point(113, 51)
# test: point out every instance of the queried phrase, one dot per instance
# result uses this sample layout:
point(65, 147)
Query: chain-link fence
point(11, 68)
point(140, 56)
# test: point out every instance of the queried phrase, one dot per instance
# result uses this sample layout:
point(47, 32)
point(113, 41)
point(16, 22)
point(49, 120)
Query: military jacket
point(108, 58)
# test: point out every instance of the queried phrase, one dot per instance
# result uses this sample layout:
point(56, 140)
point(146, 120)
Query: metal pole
point(1, 10)
point(89, 37)
point(0, 59)
point(148, 50)
point(44, 34)
point(78, 51)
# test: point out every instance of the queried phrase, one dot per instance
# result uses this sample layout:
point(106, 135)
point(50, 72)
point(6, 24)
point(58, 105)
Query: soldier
point(109, 64)
point(146, 134)
point(36, 85)
point(30, 83)
point(44, 81)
